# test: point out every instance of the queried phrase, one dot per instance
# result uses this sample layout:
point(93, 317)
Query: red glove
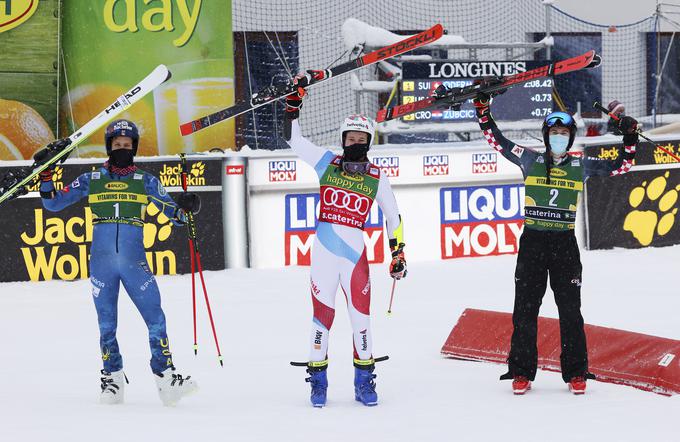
point(398, 264)
point(46, 175)
point(294, 101)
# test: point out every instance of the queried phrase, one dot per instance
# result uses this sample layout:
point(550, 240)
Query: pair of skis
point(273, 93)
point(456, 97)
point(14, 183)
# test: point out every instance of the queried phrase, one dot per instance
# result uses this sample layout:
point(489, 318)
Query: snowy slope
point(50, 361)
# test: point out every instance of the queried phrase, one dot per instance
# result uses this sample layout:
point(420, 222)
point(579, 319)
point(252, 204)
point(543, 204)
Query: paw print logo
point(158, 229)
point(58, 173)
point(644, 224)
point(197, 169)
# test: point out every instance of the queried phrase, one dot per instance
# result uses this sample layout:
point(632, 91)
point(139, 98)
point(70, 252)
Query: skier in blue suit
point(118, 194)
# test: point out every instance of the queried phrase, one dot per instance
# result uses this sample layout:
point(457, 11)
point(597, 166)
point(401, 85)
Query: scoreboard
point(520, 102)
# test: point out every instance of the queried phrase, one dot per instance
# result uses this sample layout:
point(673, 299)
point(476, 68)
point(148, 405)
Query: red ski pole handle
point(599, 107)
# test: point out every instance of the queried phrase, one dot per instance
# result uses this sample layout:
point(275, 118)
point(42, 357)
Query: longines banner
point(40, 245)
point(634, 210)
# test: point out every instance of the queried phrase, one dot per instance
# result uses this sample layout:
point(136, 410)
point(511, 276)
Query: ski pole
point(183, 175)
point(389, 309)
point(195, 255)
point(599, 107)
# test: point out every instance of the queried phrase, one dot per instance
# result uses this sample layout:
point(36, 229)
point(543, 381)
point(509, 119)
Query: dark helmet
point(121, 128)
point(559, 119)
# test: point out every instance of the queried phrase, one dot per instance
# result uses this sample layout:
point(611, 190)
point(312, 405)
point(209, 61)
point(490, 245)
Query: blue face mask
point(558, 144)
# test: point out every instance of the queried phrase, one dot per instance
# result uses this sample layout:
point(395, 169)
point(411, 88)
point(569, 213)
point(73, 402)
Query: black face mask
point(121, 158)
point(355, 152)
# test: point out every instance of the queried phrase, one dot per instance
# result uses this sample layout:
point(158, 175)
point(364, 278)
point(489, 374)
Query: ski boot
point(318, 381)
point(577, 385)
point(173, 386)
point(364, 386)
point(520, 385)
point(113, 387)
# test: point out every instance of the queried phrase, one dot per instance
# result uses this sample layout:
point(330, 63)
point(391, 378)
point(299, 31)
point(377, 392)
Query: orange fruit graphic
point(22, 131)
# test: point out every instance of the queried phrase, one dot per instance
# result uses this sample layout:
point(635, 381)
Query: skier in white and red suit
point(349, 184)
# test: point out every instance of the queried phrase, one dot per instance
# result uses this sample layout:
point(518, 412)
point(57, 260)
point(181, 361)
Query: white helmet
point(358, 123)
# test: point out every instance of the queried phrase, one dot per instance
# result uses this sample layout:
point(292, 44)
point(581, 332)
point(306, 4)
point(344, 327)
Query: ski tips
point(382, 114)
point(162, 70)
point(186, 129)
point(597, 60)
point(438, 30)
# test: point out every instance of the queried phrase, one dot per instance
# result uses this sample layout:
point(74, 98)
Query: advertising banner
point(39, 245)
point(29, 39)
point(634, 210)
point(646, 153)
point(111, 44)
point(480, 220)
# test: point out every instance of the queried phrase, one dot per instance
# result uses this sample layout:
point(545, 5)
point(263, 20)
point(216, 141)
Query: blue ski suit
point(117, 255)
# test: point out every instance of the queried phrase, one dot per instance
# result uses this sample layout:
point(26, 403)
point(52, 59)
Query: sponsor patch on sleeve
point(161, 189)
point(518, 151)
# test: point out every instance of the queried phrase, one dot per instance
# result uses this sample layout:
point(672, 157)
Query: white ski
point(157, 77)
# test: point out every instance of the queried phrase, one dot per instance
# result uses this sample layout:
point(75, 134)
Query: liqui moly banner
point(389, 166)
point(480, 221)
point(436, 165)
point(282, 170)
point(300, 228)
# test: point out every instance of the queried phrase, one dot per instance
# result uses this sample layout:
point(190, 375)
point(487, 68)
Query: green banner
point(109, 45)
point(29, 39)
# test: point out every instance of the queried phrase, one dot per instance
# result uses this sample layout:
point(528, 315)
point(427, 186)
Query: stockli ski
point(273, 93)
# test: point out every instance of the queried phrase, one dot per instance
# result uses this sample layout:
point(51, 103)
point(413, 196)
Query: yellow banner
point(118, 197)
point(554, 182)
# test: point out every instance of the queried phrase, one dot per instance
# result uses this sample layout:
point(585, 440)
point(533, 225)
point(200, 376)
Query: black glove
point(628, 127)
point(51, 150)
point(294, 101)
point(189, 202)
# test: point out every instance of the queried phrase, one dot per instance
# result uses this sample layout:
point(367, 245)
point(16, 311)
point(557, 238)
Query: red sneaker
point(520, 385)
point(577, 385)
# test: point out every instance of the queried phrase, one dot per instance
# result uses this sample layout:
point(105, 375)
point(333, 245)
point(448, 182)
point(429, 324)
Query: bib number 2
point(554, 193)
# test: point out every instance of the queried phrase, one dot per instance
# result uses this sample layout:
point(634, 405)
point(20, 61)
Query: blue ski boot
point(319, 382)
point(364, 387)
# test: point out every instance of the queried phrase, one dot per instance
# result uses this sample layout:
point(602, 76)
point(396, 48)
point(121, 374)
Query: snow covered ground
point(50, 361)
